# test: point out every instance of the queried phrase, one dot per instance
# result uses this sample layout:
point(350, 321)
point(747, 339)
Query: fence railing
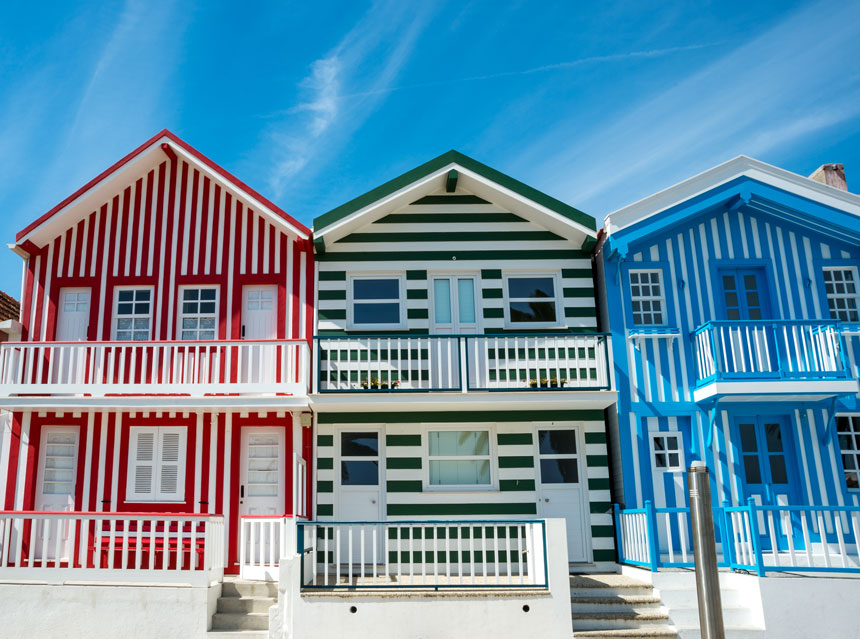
point(262, 544)
point(769, 350)
point(423, 554)
point(462, 363)
point(192, 367)
point(58, 546)
point(756, 538)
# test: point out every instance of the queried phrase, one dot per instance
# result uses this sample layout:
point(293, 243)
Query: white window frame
point(845, 296)
point(854, 452)
point(116, 316)
point(492, 457)
point(452, 277)
point(557, 299)
point(182, 315)
point(155, 495)
point(401, 300)
point(668, 468)
point(664, 311)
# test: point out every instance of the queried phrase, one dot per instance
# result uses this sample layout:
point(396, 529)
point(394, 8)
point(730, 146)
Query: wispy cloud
point(385, 36)
point(791, 81)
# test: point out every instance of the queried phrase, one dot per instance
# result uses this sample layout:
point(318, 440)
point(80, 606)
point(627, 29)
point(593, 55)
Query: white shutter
point(171, 475)
point(142, 466)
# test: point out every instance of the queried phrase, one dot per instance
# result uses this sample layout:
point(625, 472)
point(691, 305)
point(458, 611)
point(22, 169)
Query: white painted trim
point(492, 457)
point(555, 275)
point(400, 276)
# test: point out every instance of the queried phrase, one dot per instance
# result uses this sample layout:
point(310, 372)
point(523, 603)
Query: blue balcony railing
point(769, 350)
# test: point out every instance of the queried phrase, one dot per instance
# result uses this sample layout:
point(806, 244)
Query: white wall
point(109, 612)
point(810, 606)
point(412, 615)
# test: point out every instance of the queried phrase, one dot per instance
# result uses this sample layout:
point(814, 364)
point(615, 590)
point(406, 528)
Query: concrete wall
point(109, 612)
point(412, 615)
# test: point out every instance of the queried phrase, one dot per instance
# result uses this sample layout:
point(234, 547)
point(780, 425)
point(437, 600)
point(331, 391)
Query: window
point(376, 302)
point(646, 292)
point(666, 449)
point(359, 459)
point(261, 299)
point(840, 284)
point(848, 430)
point(532, 300)
point(156, 465)
point(76, 301)
point(133, 314)
point(198, 317)
point(459, 458)
point(558, 457)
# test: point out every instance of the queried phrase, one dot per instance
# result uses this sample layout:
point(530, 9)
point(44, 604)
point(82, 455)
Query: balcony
point(195, 369)
point(775, 360)
point(462, 363)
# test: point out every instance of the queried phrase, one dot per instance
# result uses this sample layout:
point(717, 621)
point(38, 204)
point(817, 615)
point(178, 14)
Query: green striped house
point(460, 374)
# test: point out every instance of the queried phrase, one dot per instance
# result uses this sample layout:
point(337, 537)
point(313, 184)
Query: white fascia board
point(93, 198)
point(234, 190)
point(775, 391)
point(722, 173)
point(236, 403)
point(381, 207)
point(516, 203)
point(477, 400)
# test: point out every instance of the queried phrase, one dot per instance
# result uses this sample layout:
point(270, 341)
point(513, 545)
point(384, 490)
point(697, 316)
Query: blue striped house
point(733, 303)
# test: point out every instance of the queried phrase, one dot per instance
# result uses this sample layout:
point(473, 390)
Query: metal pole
point(705, 552)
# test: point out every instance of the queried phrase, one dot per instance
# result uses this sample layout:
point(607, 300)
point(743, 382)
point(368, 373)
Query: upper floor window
point(648, 300)
point(376, 302)
point(133, 316)
point(459, 458)
point(840, 284)
point(156, 465)
point(198, 318)
point(532, 300)
point(848, 430)
point(666, 448)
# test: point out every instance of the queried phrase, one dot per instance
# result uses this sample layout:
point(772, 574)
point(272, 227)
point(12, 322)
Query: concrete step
point(240, 621)
point(237, 634)
point(630, 619)
point(246, 604)
point(238, 588)
point(613, 604)
point(628, 633)
point(612, 586)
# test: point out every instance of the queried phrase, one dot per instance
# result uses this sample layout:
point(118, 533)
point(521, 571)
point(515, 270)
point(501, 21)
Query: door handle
point(372, 501)
point(242, 491)
point(546, 499)
point(243, 331)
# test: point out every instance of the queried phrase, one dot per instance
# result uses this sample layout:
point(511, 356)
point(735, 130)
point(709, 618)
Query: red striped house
point(160, 382)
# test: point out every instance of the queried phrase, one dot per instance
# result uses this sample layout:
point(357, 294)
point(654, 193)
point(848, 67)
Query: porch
point(751, 538)
point(773, 359)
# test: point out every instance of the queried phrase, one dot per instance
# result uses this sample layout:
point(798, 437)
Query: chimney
point(831, 175)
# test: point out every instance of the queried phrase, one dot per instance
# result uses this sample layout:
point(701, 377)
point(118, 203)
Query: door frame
point(61, 290)
point(582, 471)
point(43, 448)
point(244, 431)
point(769, 311)
point(381, 501)
point(789, 449)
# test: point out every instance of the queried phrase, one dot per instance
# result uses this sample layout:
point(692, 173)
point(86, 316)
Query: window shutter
point(143, 463)
point(168, 480)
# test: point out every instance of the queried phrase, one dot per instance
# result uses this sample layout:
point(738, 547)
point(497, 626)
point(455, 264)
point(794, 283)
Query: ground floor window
point(156, 466)
point(459, 458)
point(666, 451)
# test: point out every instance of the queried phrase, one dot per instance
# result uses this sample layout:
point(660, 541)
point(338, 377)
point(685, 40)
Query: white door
point(261, 492)
point(55, 488)
point(259, 321)
point(454, 312)
point(560, 475)
point(73, 319)
point(359, 497)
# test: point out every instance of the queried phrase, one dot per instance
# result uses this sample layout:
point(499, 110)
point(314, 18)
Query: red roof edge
point(191, 151)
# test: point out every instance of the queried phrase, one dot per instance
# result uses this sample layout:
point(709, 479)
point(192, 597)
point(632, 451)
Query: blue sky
point(313, 103)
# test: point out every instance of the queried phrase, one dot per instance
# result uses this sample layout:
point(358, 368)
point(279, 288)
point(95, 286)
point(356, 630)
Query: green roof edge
point(342, 211)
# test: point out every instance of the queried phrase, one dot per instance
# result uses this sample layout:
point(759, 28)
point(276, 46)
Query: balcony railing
point(122, 547)
point(161, 368)
point(397, 363)
point(769, 350)
point(754, 538)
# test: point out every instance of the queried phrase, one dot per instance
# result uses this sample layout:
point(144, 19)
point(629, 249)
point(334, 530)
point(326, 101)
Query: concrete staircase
point(243, 610)
point(612, 605)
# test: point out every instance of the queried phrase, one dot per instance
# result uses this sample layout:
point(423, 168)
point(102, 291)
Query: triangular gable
point(741, 182)
point(141, 160)
point(449, 171)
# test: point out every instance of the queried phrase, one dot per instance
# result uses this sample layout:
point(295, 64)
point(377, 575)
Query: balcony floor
point(767, 390)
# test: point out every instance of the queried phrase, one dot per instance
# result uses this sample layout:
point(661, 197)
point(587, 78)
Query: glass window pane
point(376, 313)
point(442, 301)
point(660, 460)
point(674, 460)
point(752, 470)
point(748, 440)
point(466, 300)
point(773, 435)
point(778, 473)
point(359, 473)
point(532, 311)
point(531, 287)
point(376, 289)
point(557, 442)
point(190, 294)
point(851, 480)
point(456, 443)
point(126, 296)
point(558, 471)
point(207, 294)
point(459, 472)
point(359, 444)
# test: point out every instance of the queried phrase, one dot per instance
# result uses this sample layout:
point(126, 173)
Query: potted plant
point(379, 384)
